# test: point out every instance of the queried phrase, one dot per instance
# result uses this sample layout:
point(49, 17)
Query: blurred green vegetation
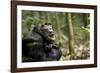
point(72, 30)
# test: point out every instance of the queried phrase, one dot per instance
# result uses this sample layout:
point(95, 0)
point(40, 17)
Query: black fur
point(38, 47)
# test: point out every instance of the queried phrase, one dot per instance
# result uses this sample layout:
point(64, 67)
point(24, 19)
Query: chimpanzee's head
point(48, 31)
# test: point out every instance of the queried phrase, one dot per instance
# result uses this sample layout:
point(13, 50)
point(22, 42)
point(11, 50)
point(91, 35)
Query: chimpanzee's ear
point(42, 25)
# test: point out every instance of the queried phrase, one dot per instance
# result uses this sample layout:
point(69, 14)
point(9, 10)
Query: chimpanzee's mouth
point(51, 35)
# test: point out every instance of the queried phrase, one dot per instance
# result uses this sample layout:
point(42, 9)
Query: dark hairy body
point(39, 45)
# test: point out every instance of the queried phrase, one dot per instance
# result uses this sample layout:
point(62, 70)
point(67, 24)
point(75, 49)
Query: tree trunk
point(85, 19)
point(71, 35)
point(85, 37)
point(58, 28)
point(47, 18)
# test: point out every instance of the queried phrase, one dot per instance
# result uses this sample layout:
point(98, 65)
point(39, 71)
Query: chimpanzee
point(39, 44)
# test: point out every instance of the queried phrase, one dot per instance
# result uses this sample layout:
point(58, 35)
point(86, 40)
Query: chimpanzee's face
point(48, 31)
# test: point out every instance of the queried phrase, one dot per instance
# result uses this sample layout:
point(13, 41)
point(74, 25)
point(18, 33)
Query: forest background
point(71, 31)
